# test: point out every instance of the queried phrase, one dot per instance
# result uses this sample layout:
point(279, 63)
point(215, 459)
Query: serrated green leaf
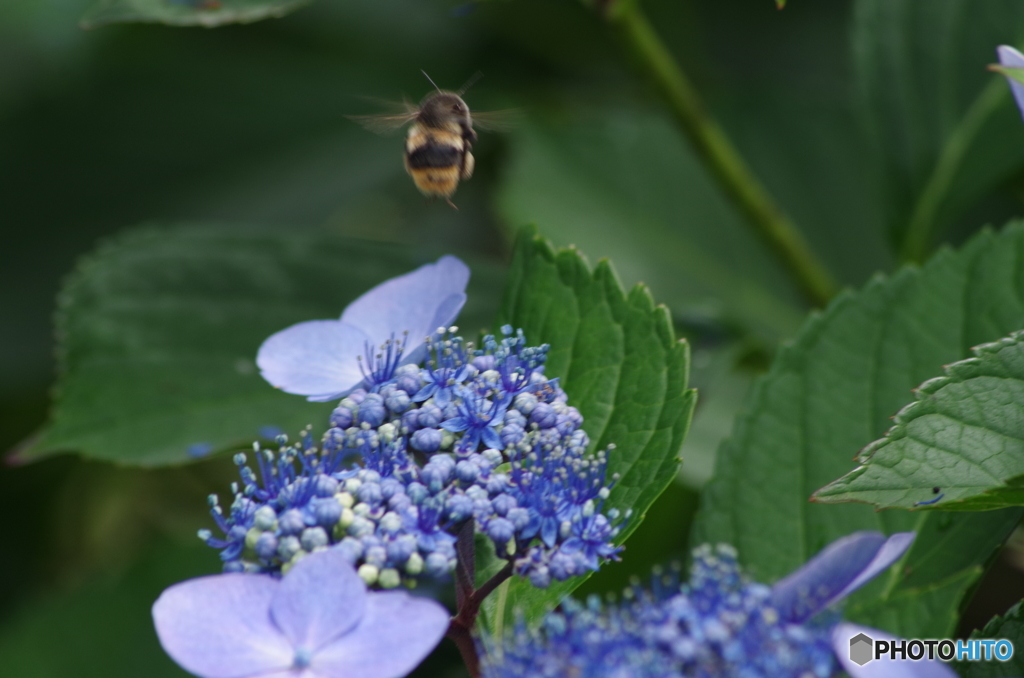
point(1009, 626)
point(622, 367)
point(831, 391)
point(945, 128)
point(959, 447)
point(159, 330)
point(207, 13)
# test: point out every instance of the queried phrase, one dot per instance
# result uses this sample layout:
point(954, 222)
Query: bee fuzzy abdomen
point(433, 155)
point(435, 161)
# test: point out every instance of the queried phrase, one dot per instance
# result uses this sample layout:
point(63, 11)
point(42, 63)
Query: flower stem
point(718, 153)
point(920, 232)
point(460, 629)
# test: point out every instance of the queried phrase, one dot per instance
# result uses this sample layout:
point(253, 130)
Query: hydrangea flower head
point(718, 624)
point(470, 434)
point(384, 328)
point(319, 621)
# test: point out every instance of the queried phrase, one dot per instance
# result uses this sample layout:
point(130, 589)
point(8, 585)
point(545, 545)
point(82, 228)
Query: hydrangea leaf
point(1016, 74)
point(208, 13)
point(619, 361)
point(932, 609)
point(158, 332)
point(946, 129)
point(959, 446)
point(831, 391)
point(1009, 626)
point(650, 206)
point(105, 624)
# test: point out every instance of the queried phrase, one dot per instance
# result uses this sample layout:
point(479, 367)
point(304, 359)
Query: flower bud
point(426, 440)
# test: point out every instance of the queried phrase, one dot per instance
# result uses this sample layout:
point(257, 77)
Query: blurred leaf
point(808, 149)
point(628, 186)
point(722, 386)
point(208, 13)
point(619, 362)
point(1009, 626)
point(944, 126)
point(1013, 72)
point(831, 391)
point(159, 330)
point(932, 609)
point(959, 446)
point(103, 629)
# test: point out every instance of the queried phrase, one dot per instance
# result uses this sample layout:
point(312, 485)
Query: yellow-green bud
point(414, 565)
point(250, 538)
point(368, 573)
point(347, 516)
point(389, 578)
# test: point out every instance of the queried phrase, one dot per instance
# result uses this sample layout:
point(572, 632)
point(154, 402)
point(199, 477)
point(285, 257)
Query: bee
point(439, 144)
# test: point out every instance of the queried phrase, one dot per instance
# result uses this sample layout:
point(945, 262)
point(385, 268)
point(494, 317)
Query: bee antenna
point(430, 79)
point(469, 83)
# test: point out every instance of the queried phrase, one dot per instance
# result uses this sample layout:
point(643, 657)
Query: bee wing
point(384, 123)
point(497, 121)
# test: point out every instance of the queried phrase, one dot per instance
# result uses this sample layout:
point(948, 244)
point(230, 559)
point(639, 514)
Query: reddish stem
point(460, 630)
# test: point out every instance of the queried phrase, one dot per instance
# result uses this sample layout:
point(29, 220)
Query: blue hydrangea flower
point(379, 331)
point(1010, 58)
point(717, 625)
point(319, 621)
point(471, 434)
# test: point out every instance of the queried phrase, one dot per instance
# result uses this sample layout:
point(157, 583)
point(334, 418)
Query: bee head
point(439, 108)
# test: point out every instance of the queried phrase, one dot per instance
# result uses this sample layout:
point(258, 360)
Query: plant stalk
point(719, 155)
point(920, 233)
point(460, 629)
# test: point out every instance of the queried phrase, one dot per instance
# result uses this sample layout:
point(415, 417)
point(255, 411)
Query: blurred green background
point(102, 130)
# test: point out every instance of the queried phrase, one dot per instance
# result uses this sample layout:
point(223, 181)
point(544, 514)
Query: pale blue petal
point(836, 571)
point(418, 303)
point(320, 599)
point(396, 633)
point(882, 667)
point(220, 626)
point(492, 439)
point(447, 311)
point(1008, 56)
point(891, 551)
point(455, 424)
point(318, 358)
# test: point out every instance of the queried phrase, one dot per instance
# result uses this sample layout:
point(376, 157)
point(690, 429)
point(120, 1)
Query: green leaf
point(159, 330)
point(104, 629)
point(831, 392)
point(960, 445)
point(208, 13)
point(1011, 627)
point(628, 186)
point(1013, 72)
point(945, 128)
point(622, 367)
point(932, 609)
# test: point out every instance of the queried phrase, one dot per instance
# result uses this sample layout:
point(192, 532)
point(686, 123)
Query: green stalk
point(923, 222)
point(720, 156)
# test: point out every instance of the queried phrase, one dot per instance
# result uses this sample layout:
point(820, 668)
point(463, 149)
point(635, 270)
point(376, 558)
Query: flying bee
point(439, 145)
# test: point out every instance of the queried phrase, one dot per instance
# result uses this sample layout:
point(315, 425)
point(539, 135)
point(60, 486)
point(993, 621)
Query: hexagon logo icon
point(861, 647)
